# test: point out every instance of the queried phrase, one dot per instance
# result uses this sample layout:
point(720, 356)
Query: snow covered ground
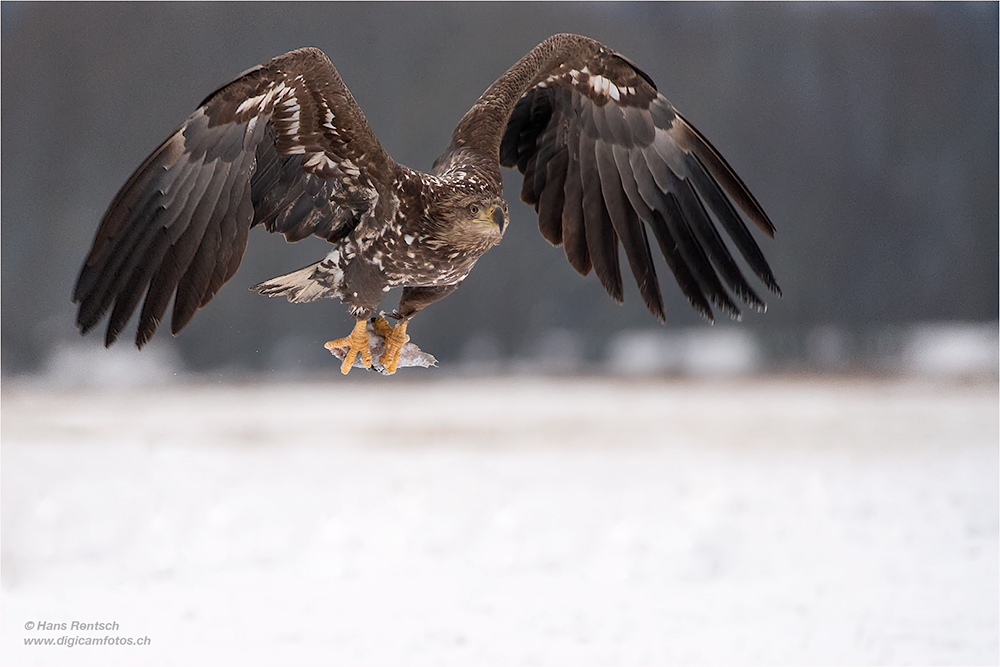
point(504, 521)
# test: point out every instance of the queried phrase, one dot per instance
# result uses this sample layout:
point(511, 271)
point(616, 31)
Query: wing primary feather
point(117, 267)
point(161, 288)
point(709, 238)
point(602, 242)
point(547, 150)
point(186, 229)
point(691, 140)
point(655, 213)
point(629, 229)
point(192, 285)
point(694, 256)
point(574, 238)
point(550, 203)
point(182, 251)
point(116, 237)
point(730, 220)
point(686, 280)
point(701, 235)
point(528, 193)
point(127, 297)
point(197, 277)
point(136, 193)
point(692, 170)
point(234, 214)
point(679, 215)
point(225, 216)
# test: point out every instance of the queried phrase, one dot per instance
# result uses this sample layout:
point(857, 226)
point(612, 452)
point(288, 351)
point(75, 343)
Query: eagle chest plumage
point(421, 244)
point(608, 165)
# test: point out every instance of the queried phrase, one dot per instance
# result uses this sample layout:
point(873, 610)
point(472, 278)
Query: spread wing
point(284, 145)
point(605, 158)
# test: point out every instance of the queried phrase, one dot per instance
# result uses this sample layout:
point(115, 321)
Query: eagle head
point(473, 221)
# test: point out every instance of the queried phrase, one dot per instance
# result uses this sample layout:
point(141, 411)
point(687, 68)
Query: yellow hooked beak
point(494, 215)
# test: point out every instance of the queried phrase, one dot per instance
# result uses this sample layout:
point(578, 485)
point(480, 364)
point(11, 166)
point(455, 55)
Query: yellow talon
point(357, 341)
point(395, 339)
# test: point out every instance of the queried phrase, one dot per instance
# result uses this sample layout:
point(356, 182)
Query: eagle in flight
point(605, 159)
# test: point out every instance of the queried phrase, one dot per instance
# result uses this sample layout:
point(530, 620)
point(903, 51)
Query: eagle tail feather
point(307, 284)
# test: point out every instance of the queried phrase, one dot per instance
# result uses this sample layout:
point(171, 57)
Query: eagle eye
point(474, 209)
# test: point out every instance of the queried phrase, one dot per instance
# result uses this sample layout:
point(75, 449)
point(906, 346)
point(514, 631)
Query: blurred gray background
point(867, 131)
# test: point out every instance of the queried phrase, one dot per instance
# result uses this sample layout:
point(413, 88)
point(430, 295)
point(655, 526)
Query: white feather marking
point(261, 101)
point(317, 159)
point(603, 86)
point(292, 105)
point(249, 103)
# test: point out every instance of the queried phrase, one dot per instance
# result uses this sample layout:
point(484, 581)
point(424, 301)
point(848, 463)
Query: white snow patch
point(76, 365)
point(716, 351)
point(953, 349)
point(517, 521)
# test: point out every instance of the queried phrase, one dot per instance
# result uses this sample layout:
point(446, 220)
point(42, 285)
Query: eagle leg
point(357, 341)
point(395, 339)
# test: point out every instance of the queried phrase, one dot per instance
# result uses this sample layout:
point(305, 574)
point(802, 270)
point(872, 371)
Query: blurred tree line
point(867, 131)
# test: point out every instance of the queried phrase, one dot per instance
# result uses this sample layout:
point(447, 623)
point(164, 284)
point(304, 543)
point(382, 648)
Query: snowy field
point(514, 521)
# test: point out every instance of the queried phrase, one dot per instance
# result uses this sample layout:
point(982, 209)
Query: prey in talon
point(607, 162)
point(380, 354)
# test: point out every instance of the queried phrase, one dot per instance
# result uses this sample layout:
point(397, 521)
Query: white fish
point(411, 355)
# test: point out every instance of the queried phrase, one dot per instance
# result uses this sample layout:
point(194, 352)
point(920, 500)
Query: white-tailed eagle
point(606, 159)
